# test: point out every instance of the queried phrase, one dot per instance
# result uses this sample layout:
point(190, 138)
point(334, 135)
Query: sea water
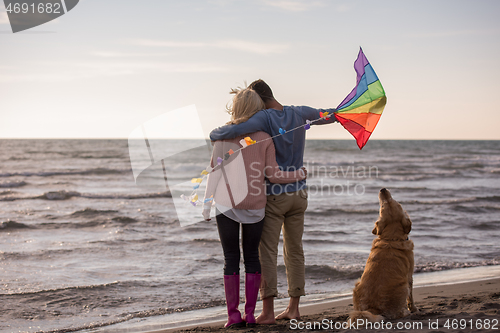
point(83, 245)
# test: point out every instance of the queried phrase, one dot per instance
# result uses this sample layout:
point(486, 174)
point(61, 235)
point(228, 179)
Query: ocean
point(84, 247)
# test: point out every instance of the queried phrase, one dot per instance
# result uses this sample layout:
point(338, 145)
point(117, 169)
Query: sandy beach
point(461, 307)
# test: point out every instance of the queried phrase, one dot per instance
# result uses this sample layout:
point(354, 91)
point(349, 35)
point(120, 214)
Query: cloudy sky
point(106, 67)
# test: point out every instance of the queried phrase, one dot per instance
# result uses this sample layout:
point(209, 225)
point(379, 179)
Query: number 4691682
point(48, 8)
point(477, 324)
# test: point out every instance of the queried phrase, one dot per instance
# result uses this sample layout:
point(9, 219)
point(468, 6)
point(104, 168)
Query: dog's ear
point(378, 228)
point(406, 222)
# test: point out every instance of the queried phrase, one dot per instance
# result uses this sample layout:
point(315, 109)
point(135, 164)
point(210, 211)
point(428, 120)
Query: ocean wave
point(65, 195)
point(117, 220)
point(206, 240)
point(409, 177)
point(93, 171)
point(7, 192)
point(17, 158)
point(437, 201)
point(55, 290)
point(115, 285)
point(439, 266)
point(13, 225)
point(465, 166)
point(325, 272)
point(475, 209)
point(40, 255)
point(127, 196)
point(71, 225)
point(315, 233)
point(51, 195)
point(97, 156)
point(87, 224)
point(137, 315)
point(408, 188)
point(212, 261)
point(494, 198)
point(486, 225)
point(490, 255)
point(13, 184)
point(124, 219)
point(58, 195)
point(332, 241)
point(336, 211)
point(454, 201)
point(321, 272)
point(89, 212)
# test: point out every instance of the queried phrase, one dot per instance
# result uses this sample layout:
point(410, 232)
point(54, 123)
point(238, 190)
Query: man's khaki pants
point(284, 211)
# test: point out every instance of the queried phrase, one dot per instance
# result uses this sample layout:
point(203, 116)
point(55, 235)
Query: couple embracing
point(263, 189)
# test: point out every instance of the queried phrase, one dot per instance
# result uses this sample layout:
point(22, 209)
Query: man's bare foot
point(292, 310)
point(289, 314)
point(265, 319)
point(267, 315)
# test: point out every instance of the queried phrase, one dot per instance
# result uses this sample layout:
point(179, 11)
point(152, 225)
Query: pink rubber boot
point(232, 290)
point(252, 284)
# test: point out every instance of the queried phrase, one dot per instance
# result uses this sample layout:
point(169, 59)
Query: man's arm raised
point(309, 113)
point(258, 122)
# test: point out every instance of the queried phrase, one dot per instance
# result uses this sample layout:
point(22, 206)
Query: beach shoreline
point(450, 307)
point(468, 295)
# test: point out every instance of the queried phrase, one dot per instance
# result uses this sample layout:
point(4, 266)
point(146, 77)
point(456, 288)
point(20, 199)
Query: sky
point(106, 67)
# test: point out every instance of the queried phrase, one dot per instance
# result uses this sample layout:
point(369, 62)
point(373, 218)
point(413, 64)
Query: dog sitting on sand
point(385, 288)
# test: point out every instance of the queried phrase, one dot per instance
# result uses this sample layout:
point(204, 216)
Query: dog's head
point(393, 222)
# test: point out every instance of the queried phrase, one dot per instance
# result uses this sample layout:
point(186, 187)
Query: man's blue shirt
point(289, 146)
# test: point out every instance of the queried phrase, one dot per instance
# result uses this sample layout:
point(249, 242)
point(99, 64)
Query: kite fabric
point(360, 111)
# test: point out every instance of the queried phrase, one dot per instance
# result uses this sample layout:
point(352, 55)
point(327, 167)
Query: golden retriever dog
point(385, 288)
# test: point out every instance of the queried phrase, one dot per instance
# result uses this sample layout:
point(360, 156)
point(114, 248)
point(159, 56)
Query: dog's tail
point(363, 316)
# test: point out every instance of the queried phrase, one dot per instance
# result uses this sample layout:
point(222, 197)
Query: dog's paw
point(413, 309)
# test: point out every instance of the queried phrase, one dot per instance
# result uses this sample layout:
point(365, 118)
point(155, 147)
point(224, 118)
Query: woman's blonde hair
point(246, 103)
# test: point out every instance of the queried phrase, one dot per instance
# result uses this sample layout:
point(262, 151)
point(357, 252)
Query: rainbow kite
point(360, 111)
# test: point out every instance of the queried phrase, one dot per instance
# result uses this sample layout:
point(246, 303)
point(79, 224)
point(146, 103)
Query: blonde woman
point(237, 187)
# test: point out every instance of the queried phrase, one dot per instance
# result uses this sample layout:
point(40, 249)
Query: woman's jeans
point(229, 231)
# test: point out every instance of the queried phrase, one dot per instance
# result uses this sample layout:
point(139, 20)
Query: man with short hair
point(286, 203)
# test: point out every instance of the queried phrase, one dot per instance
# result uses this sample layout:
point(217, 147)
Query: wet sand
point(461, 307)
